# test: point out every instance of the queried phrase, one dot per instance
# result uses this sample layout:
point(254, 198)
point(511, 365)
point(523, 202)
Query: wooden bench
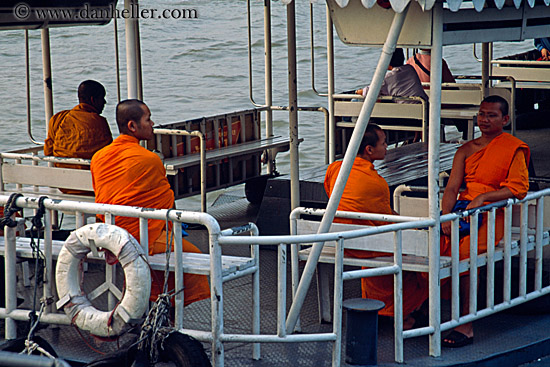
point(387, 108)
point(173, 165)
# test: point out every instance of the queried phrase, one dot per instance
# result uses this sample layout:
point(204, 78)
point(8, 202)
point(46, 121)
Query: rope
point(38, 265)
point(31, 347)
point(156, 326)
point(9, 210)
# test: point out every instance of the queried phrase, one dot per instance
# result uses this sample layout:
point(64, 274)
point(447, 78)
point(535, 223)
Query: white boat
point(426, 24)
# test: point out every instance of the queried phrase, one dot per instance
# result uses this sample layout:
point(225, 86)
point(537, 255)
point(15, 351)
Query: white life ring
point(136, 271)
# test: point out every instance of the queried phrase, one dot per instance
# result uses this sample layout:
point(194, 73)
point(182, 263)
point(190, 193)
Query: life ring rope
point(76, 303)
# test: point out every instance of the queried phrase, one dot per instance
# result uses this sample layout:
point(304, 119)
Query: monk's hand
point(476, 203)
point(446, 228)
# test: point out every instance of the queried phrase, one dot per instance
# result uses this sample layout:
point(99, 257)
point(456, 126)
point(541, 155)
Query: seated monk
point(494, 168)
point(366, 191)
point(80, 132)
point(125, 173)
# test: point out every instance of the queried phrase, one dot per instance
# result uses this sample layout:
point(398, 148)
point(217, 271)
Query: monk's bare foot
point(459, 337)
point(408, 322)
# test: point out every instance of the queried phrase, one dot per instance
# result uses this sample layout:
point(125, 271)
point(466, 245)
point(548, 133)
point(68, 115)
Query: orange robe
point(502, 163)
point(77, 133)
point(366, 191)
point(125, 173)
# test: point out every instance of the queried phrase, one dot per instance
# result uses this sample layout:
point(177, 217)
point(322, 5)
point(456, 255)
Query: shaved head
point(126, 111)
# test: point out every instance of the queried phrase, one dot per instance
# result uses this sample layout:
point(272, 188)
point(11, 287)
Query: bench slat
point(173, 164)
point(415, 242)
point(25, 174)
point(193, 263)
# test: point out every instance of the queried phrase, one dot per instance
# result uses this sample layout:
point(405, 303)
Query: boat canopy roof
point(367, 22)
point(454, 5)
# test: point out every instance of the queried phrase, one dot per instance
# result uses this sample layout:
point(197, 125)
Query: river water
point(194, 67)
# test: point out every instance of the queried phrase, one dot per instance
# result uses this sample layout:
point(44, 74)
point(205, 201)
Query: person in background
point(421, 60)
point(80, 132)
point(400, 81)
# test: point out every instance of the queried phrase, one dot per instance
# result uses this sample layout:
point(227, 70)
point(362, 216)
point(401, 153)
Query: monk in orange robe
point(494, 168)
point(125, 173)
point(366, 191)
point(80, 132)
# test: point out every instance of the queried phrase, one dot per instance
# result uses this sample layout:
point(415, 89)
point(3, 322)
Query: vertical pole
point(268, 80)
point(338, 296)
point(47, 74)
point(11, 281)
point(485, 68)
point(293, 106)
point(351, 152)
point(48, 268)
point(178, 254)
point(216, 300)
point(433, 178)
point(330, 71)
point(281, 290)
point(137, 40)
point(131, 61)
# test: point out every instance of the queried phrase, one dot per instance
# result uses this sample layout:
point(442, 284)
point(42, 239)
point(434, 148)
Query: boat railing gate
point(526, 232)
point(219, 267)
point(348, 106)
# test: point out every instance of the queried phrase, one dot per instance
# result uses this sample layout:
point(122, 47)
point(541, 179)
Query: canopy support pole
point(351, 152)
point(293, 106)
point(268, 82)
point(330, 73)
point(434, 139)
point(47, 74)
point(131, 51)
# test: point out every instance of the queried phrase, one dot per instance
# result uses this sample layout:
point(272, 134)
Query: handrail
point(202, 158)
point(520, 62)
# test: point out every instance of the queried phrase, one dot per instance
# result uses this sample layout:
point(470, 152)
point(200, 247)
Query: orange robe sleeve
point(125, 173)
point(366, 191)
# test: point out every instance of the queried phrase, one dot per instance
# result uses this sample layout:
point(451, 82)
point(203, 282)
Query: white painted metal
point(398, 296)
point(281, 290)
point(331, 89)
point(178, 255)
point(131, 51)
point(491, 258)
point(293, 106)
point(353, 146)
point(338, 300)
point(10, 281)
point(474, 220)
point(268, 82)
point(47, 74)
point(523, 249)
point(433, 177)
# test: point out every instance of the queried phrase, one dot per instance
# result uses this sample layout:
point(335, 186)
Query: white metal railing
point(216, 336)
point(532, 238)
